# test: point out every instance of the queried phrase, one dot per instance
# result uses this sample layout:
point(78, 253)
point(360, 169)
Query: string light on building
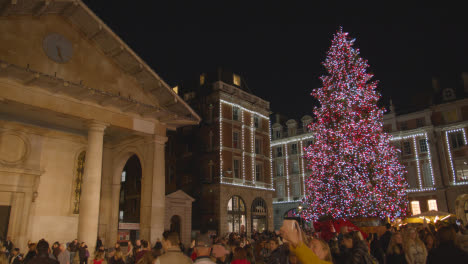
point(271, 155)
point(430, 159)
point(417, 162)
point(302, 167)
point(287, 169)
point(252, 128)
point(449, 150)
point(221, 141)
point(243, 147)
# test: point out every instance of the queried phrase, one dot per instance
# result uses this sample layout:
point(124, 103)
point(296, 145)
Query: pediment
point(99, 58)
point(180, 195)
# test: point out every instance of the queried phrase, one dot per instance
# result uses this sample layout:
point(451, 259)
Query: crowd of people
point(290, 245)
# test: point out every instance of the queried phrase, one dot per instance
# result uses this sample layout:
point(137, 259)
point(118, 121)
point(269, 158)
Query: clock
point(58, 48)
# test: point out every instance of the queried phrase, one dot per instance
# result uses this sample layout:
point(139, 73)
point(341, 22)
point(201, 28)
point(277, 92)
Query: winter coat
point(278, 256)
point(447, 253)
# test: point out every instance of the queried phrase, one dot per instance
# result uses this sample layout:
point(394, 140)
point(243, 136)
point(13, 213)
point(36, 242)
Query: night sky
point(278, 48)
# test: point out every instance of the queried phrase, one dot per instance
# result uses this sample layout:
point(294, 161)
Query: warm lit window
point(176, 89)
point(236, 169)
point(202, 79)
point(235, 113)
point(432, 205)
point(415, 209)
point(423, 145)
point(235, 140)
point(236, 79)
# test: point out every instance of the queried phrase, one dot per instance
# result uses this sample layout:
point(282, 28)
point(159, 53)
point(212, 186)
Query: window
point(415, 209)
point(236, 79)
point(235, 113)
point(308, 143)
point(212, 171)
point(422, 145)
point(235, 139)
point(236, 168)
point(407, 148)
point(296, 189)
point(427, 175)
point(295, 167)
point(124, 174)
point(403, 126)
point(121, 215)
point(457, 140)
point(280, 190)
point(259, 215)
point(258, 146)
point(432, 205)
point(236, 214)
point(461, 168)
point(279, 151)
point(259, 172)
point(277, 134)
point(292, 131)
point(171, 174)
point(294, 148)
point(411, 176)
point(210, 136)
point(420, 122)
point(256, 121)
point(279, 169)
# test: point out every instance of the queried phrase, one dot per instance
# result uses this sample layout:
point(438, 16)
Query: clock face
point(58, 48)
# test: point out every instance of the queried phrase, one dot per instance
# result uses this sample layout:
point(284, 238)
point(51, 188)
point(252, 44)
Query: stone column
point(159, 190)
point(114, 218)
point(91, 188)
point(24, 223)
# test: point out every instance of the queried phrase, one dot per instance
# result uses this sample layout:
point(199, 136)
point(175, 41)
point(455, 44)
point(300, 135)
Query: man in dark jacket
point(385, 238)
point(446, 252)
point(42, 257)
point(15, 257)
point(279, 254)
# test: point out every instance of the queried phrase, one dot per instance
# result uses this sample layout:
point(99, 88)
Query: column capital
point(159, 139)
point(95, 125)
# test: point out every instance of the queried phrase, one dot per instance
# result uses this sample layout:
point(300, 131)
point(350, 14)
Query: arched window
point(78, 182)
point(259, 215)
point(236, 214)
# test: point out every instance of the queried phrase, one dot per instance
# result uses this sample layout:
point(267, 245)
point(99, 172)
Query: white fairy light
point(417, 162)
point(271, 155)
point(449, 150)
point(243, 148)
point(302, 167)
point(287, 169)
point(252, 128)
point(221, 142)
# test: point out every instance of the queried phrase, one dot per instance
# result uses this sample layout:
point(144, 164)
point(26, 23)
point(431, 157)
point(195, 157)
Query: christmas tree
point(355, 170)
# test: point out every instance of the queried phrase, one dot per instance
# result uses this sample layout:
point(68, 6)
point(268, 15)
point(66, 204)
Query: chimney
point(278, 118)
point(435, 85)
point(465, 81)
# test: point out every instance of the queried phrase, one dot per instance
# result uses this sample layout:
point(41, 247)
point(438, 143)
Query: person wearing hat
point(173, 253)
point(203, 249)
point(42, 256)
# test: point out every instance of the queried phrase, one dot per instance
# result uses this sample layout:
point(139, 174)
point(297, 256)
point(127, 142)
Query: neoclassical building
point(434, 151)
point(83, 124)
point(224, 163)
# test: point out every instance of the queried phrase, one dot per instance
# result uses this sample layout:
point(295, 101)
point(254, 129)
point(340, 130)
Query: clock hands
point(59, 53)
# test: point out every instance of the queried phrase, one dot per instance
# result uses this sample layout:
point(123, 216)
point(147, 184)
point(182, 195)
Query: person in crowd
point(64, 255)
point(3, 256)
point(98, 243)
point(83, 253)
point(297, 247)
point(142, 250)
point(117, 258)
point(429, 242)
point(129, 257)
point(240, 256)
point(321, 249)
point(461, 238)
point(250, 255)
point(31, 253)
point(73, 248)
point(279, 254)
point(376, 249)
point(385, 238)
point(8, 244)
point(447, 252)
point(395, 250)
point(173, 254)
point(42, 257)
point(54, 250)
point(356, 251)
point(15, 257)
point(220, 253)
point(203, 249)
point(99, 257)
point(415, 249)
